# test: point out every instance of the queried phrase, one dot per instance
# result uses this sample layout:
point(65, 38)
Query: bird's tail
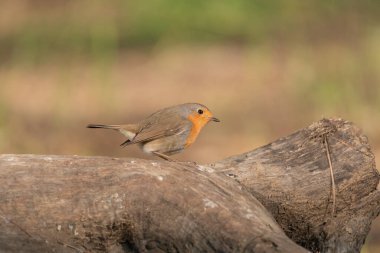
point(116, 127)
point(127, 130)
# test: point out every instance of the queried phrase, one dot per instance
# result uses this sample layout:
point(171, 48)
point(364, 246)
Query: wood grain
point(100, 204)
point(291, 178)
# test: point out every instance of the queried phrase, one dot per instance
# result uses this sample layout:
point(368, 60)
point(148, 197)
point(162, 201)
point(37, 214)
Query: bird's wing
point(159, 127)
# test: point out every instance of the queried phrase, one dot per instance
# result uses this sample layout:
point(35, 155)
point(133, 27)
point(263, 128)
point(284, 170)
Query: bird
point(166, 132)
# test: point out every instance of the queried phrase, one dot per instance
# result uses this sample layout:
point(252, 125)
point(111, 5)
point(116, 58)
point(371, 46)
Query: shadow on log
point(100, 204)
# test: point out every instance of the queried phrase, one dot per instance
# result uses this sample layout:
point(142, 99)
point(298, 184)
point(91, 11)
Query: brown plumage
point(167, 131)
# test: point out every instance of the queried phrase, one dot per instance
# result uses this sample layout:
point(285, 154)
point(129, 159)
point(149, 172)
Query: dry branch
point(70, 204)
point(291, 177)
point(90, 204)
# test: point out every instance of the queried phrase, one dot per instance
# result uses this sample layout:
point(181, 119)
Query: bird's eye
point(200, 111)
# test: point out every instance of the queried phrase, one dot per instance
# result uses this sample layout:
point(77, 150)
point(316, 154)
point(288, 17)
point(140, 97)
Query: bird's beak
point(214, 119)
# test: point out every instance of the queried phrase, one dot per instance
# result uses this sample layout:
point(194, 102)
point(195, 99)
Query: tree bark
point(98, 204)
point(66, 204)
point(291, 177)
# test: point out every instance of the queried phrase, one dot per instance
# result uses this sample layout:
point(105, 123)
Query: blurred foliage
point(264, 67)
point(35, 29)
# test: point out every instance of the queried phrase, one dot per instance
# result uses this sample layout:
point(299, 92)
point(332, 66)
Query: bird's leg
point(165, 157)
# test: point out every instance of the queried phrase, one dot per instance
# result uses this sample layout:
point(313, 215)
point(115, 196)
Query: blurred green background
point(265, 68)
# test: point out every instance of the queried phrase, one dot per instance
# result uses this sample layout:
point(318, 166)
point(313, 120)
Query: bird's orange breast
point(198, 123)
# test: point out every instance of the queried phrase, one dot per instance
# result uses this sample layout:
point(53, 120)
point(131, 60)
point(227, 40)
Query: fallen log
point(291, 177)
point(100, 204)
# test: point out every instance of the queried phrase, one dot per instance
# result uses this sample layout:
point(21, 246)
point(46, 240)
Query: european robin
point(167, 131)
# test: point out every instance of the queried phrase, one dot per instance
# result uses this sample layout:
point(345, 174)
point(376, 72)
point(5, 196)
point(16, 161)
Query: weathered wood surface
point(291, 178)
point(69, 204)
point(98, 204)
